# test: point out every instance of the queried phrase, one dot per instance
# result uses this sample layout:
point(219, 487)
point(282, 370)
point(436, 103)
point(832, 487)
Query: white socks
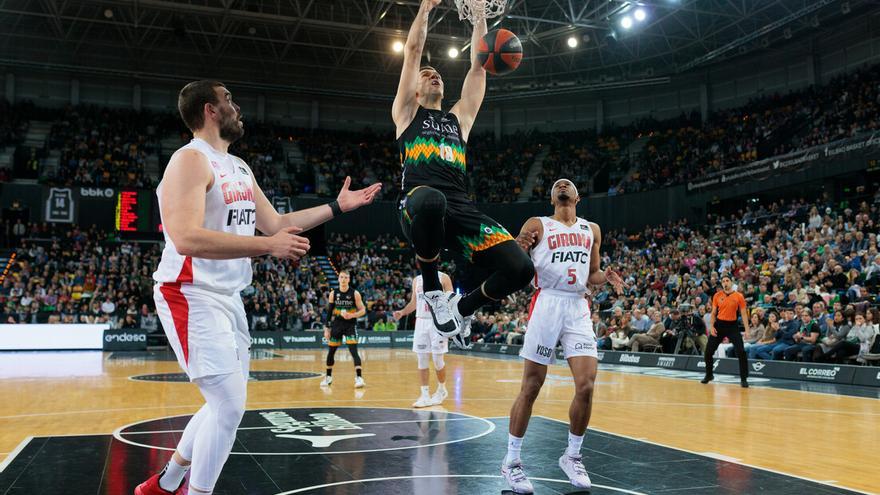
point(426, 391)
point(514, 446)
point(173, 475)
point(441, 386)
point(574, 445)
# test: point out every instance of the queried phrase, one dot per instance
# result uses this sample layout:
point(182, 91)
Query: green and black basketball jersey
point(432, 152)
point(342, 302)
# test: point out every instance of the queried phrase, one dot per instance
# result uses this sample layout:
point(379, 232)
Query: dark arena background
point(705, 137)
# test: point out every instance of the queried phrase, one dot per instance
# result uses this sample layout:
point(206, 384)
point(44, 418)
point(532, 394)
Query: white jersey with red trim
point(562, 256)
point(229, 207)
point(422, 311)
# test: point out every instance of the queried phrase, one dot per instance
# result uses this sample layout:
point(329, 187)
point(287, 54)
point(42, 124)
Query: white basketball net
point(477, 10)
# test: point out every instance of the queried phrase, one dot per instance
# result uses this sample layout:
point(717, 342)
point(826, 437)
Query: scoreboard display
point(120, 210)
point(137, 211)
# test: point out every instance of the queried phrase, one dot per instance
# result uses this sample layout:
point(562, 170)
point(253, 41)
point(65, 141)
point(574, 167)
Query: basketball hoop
point(477, 10)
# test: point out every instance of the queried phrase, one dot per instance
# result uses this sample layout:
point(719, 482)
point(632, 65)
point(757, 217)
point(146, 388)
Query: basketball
point(500, 52)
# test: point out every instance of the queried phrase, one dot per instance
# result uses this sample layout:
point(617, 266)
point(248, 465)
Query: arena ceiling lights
point(283, 43)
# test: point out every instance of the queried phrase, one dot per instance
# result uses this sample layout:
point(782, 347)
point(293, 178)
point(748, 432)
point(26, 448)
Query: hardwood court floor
point(824, 437)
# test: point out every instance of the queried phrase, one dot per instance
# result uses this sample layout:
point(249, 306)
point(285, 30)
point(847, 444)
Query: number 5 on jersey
point(572, 276)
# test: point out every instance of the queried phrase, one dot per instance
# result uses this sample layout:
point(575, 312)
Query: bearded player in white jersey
point(565, 252)
point(427, 340)
point(210, 206)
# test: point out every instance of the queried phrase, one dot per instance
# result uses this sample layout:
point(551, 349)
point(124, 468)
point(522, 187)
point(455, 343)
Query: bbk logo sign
point(757, 366)
point(600, 355)
point(95, 192)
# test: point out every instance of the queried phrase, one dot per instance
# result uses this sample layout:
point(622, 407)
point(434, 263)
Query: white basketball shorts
point(558, 317)
point(207, 330)
point(427, 340)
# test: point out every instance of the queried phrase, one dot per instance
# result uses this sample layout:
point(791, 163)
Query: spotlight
point(572, 42)
point(640, 14)
point(626, 22)
point(397, 46)
point(108, 13)
point(453, 52)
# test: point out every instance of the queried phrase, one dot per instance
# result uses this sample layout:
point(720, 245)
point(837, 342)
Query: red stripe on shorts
point(532, 304)
point(186, 271)
point(179, 314)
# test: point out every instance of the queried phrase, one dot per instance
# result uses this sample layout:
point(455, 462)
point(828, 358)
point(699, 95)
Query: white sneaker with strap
point(439, 396)
point(326, 381)
point(516, 478)
point(575, 470)
point(440, 306)
point(424, 401)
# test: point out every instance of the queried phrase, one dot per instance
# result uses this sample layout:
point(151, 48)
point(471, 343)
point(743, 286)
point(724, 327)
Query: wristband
point(334, 207)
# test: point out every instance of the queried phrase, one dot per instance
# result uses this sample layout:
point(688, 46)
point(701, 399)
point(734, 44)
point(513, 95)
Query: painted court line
point(359, 424)
point(501, 357)
point(117, 434)
point(701, 455)
point(394, 478)
point(17, 450)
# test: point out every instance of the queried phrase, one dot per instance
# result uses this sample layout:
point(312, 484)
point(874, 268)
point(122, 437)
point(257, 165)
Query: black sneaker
point(707, 379)
point(744, 384)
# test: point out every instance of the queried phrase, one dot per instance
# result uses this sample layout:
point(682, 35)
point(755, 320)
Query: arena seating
point(110, 147)
point(76, 275)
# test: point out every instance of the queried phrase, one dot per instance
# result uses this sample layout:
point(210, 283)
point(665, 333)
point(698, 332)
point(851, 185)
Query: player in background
point(436, 210)
point(346, 306)
point(211, 206)
point(426, 340)
point(565, 251)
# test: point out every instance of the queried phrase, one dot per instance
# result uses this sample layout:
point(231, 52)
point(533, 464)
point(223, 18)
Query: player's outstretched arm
point(531, 233)
point(184, 186)
point(269, 221)
point(474, 88)
point(405, 105)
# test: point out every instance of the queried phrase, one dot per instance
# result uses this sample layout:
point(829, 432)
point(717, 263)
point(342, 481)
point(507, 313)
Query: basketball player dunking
point(210, 206)
point(435, 210)
point(346, 306)
point(565, 250)
point(426, 341)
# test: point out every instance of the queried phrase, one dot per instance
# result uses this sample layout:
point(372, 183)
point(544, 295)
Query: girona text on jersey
point(562, 256)
point(234, 192)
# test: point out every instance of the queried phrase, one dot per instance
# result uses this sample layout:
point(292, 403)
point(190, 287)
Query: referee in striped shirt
point(722, 323)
